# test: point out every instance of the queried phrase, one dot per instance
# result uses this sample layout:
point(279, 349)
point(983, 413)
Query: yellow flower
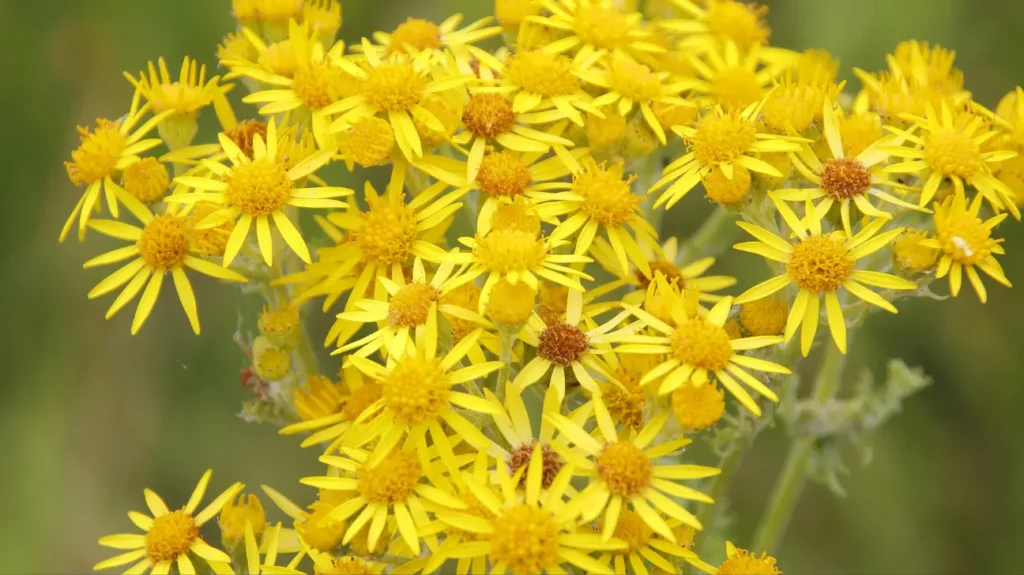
point(513, 421)
point(329, 409)
point(314, 534)
point(260, 556)
point(645, 548)
point(394, 88)
point(765, 316)
point(927, 65)
point(235, 518)
point(966, 244)
point(628, 473)
point(594, 28)
point(720, 140)
point(318, 398)
point(323, 17)
point(600, 198)
point(440, 41)
point(539, 80)
point(169, 536)
point(820, 265)
point(843, 180)
point(698, 346)
point(743, 562)
point(733, 79)
point(948, 149)
point(698, 407)
point(418, 395)
point(523, 534)
point(103, 154)
point(257, 190)
point(910, 252)
point(160, 247)
point(739, 22)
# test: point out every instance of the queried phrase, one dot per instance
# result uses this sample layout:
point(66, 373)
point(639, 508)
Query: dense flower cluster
point(526, 350)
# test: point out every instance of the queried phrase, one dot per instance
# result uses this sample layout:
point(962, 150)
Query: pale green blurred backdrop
point(90, 415)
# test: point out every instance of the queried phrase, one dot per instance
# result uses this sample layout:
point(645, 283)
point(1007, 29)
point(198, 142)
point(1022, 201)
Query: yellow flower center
point(318, 84)
point(323, 18)
point(97, 155)
point(211, 241)
point(488, 115)
point(415, 33)
point(625, 468)
point(416, 390)
point(859, 131)
point(702, 344)
point(387, 232)
point(171, 536)
point(953, 153)
point(724, 191)
point(550, 459)
point(411, 305)
point(669, 115)
point(369, 142)
point(346, 565)
point(910, 254)
point(503, 251)
point(562, 343)
point(361, 398)
point(392, 480)
point(279, 322)
point(466, 296)
point(625, 405)
point(234, 516)
point(526, 539)
point(320, 397)
point(518, 215)
point(445, 112)
point(503, 175)
point(698, 407)
point(242, 135)
point(793, 105)
point(279, 58)
point(605, 132)
point(743, 23)
point(632, 79)
point(394, 87)
point(965, 238)
point(236, 47)
point(259, 188)
point(765, 316)
point(632, 529)
point(607, 198)
point(541, 73)
point(164, 242)
point(819, 264)
point(147, 180)
point(511, 13)
point(736, 88)
point(511, 304)
point(317, 533)
point(721, 138)
point(270, 361)
point(603, 27)
point(277, 10)
point(845, 178)
point(743, 562)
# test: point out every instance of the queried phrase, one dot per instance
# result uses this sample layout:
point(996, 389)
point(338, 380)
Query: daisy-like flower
point(259, 60)
point(168, 536)
point(594, 28)
point(395, 89)
point(184, 98)
point(401, 317)
point(743, 562)
point(162, 245)
point(323, 17)
point(698, 346)
point(488, 118)
point(523, 531)
point(928, 65)
point(105, 153)
point(417, 396)
point(730, 20)
point(315, 84)
point(337, 410)
point(662, 260)
point(720, 141)
point(966, 244)
point(733, 79)
point(628, 83)
point(820, 265)
point(565, 346)
point(256, 191)
point(539, 80)
point(401, 485)
point(600, 199)
point(513, 421)
point(645, 548)
point(626, 473)
point(415, 36)
point(844, 180)
point(949, 147)
point(260, 557)
point(313, 533)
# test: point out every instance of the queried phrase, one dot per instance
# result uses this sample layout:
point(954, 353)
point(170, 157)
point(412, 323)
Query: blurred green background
point(90, 415)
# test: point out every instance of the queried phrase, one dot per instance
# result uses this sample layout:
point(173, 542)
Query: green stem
point(506, 340)
point(714, 236)
point(789, 487)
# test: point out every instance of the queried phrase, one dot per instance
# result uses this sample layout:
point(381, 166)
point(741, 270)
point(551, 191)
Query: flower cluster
point(526, 350)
